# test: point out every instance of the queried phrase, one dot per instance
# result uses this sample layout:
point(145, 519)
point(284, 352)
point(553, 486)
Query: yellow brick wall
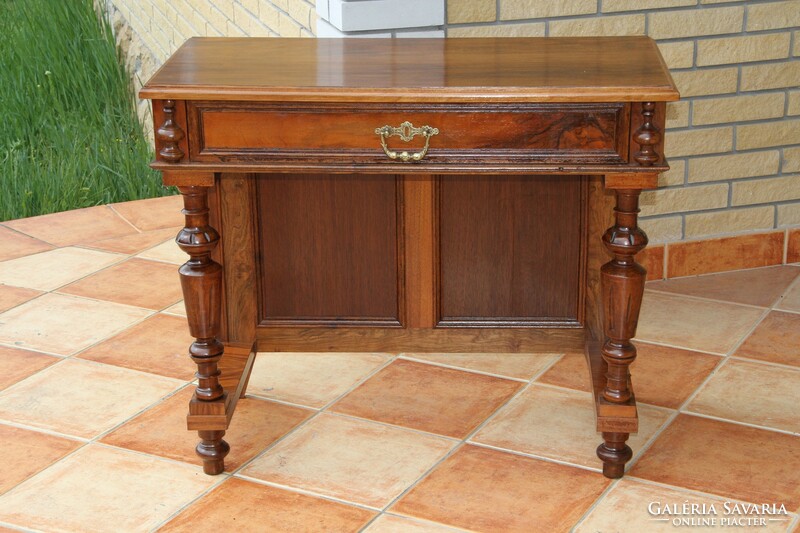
point(149, 31)
point(734, 140)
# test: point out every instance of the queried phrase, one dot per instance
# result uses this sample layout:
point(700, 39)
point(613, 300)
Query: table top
point(529, 69)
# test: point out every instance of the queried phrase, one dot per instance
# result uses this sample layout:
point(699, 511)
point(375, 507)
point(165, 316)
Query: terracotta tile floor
point(94, 382)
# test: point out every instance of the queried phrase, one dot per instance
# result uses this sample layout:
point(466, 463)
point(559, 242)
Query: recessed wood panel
point(510, 250)
point(330, 249)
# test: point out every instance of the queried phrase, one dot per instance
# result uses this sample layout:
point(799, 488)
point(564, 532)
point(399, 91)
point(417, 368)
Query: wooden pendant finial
point(170, 134)
point(647, 137)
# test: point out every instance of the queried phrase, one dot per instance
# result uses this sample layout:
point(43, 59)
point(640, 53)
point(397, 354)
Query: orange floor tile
point(93, 422)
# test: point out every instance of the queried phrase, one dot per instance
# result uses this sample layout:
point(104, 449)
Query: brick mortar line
point(292, 18)
point(665, 40)
point(135, 29)
point(742, 122)
point(256, 17)
point(178, 14)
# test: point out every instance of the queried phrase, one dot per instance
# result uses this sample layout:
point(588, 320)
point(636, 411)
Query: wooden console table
point(411, 195)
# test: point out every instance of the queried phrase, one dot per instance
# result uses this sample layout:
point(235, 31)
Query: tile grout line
point(42, 293)
point(781, 366)
point(122, 259)
point(792, 286)
point(15, 230)
point(158, 402)
point(705, 299)
point(420, 432)
point(223, 478)
point(638, 341)
point(530, 382)
point(740, 423)
point(85, 442)
point(89, 246)
point(307, 492)
point(386, 424)
point(416, 520)
point(528, 455)
point(85, 298)
point(261, 398)
point(235, 473)
point(452, 451)
point(317, 413)
point(595, 504)
point(481, 372)
point(35, 350)
point(794, 523)
point(681, 409)
point(45, 431)
point(153, 313)
point(111, 335)
point(788, 311)
point(15, 527)
point(241, 476)
point(131, 224)
point(465, 440)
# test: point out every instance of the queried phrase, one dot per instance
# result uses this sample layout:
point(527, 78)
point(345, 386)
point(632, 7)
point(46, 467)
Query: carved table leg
point(212, 449)
point(201, 281)
point(622, 286)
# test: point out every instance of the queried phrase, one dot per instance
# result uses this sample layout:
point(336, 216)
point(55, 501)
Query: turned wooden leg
point(622, 286)
point(201, 281)
point(212, 450)
point(614, 453)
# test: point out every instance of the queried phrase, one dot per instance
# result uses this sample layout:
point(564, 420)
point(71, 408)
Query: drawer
point(251, 132)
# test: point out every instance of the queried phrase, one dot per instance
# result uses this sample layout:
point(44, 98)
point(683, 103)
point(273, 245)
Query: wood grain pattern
point(237, 199)
point(370, 165)
point(622, 286)
point(178, 177)
point(631, 181)
point(600, 214)
point(647, 136)
point(174, 139)
point(610, 417)
point(543, 132)
point(420, 214)
point(331, 250)
point(420, 340)
point(510, 250)
point(201, 282)
point(657, 122)
point(234, 368)
point(579, 69)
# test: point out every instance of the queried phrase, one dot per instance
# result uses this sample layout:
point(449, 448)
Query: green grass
point(69, 133)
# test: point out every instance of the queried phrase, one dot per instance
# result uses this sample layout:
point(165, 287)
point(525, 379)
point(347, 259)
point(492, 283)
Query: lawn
point(69, 133)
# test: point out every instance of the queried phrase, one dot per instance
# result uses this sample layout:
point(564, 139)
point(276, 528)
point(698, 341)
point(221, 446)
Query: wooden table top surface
point(530, 69)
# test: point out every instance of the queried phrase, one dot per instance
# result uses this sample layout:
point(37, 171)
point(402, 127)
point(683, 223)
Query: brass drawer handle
point(406, 132)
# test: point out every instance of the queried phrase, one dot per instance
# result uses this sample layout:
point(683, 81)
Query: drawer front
point(346, 134)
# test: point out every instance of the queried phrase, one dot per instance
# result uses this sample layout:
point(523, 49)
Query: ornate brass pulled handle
point(406, 132)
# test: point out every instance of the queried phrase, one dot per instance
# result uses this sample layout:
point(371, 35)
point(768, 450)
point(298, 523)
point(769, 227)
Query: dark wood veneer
point(499, 265)
point(331, 250)
point(547, 133)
